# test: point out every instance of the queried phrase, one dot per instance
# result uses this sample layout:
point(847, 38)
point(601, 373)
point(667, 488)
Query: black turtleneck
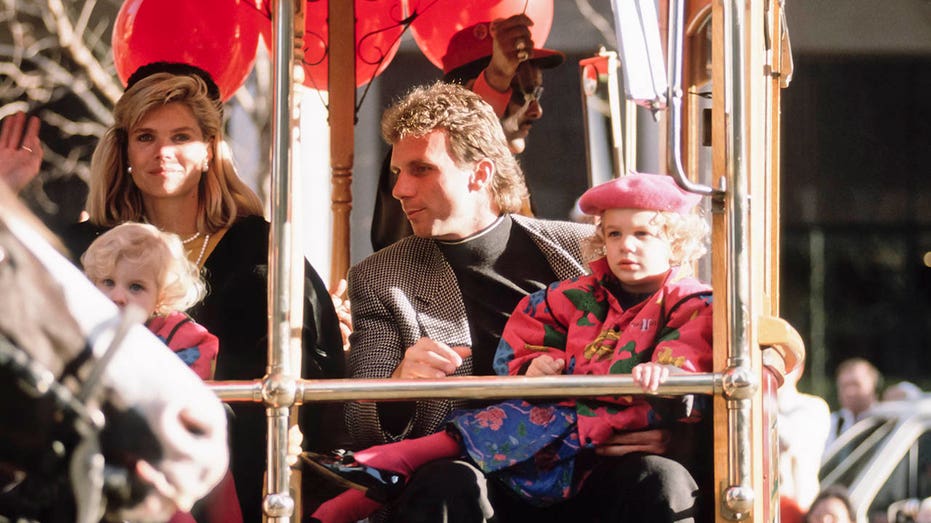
point(626, 299)
point(495, 268)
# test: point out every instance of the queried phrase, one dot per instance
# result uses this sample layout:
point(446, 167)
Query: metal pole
point(674, 99)
point(739, 382)
point(279, 383)
point(477, 387)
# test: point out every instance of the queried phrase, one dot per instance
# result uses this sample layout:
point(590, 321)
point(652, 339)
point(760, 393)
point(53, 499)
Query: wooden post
point(342, 90)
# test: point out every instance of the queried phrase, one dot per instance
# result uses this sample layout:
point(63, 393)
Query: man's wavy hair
point(113, 198)
point(472, 129)
point(180, 285)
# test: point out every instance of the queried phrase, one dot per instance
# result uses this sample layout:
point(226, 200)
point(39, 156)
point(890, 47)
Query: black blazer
point(408, 290)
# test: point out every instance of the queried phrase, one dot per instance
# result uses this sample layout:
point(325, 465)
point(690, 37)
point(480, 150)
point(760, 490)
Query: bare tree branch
point(80, 53)
point(599, 22)
point(53, 63)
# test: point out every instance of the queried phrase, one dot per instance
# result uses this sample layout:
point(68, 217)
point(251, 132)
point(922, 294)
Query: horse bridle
point(78, 410)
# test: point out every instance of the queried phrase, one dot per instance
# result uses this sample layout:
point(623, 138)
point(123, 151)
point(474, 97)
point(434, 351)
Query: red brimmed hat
point(652, 192)
point(471, 48)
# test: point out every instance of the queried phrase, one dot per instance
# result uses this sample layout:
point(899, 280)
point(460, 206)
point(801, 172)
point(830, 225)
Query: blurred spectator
point(831, 506)
point(857, 385)
point(903, 390)
point(804, 421)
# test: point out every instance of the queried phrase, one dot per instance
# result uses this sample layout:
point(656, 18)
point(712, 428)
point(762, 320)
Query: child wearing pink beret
point(638, 312)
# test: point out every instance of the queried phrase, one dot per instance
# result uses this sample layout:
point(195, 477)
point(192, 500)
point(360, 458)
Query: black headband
point(177, 69)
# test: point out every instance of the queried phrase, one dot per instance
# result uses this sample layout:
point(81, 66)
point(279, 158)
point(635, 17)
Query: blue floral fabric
point(531, 447)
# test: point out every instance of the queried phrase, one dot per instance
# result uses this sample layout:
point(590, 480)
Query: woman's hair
point(687, 235)
point(114, 198)
point(473, 133)
point(180, 285)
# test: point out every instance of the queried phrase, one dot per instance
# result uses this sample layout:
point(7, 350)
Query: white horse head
point(177, 448)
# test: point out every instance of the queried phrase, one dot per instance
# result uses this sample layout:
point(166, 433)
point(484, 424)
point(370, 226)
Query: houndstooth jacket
point(407, 291)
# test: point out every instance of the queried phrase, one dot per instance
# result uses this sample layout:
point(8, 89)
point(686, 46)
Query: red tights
point(403, 457)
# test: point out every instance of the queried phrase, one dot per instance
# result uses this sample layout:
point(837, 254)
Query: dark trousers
point(636, 487)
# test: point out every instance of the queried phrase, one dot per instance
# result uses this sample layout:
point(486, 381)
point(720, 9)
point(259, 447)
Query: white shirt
point(841, 420)
point(804, 423)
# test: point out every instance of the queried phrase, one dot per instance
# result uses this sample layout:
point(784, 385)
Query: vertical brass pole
point(285, 313)
point(740, 384)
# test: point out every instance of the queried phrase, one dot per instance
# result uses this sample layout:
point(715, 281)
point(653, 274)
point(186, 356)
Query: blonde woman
point(164, 161)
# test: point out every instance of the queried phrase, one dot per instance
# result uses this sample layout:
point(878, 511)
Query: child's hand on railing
point(545, 365)
point(650, 375)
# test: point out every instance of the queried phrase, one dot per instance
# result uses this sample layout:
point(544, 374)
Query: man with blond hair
point(500, 62)
point(434, 304)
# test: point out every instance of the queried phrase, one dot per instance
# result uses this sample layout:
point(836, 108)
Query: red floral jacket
point(580, 321)
point(189, 340)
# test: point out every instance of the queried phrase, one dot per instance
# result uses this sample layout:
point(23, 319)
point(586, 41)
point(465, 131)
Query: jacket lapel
point(441, 314)
point(563, 257)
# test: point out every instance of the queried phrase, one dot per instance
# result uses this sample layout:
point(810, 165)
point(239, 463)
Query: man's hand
point(655, 441)
point(512, 45)
point(343, 311)
point(545, 365)
point(430, 359)
point(20, 150)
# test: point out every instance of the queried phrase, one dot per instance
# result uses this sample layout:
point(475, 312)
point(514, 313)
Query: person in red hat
point(500, 62)
point(638, 312)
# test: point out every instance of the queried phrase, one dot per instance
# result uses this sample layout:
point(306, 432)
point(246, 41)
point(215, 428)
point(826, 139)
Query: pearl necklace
point(184, 241)
point(193, 237)
point(203, 249)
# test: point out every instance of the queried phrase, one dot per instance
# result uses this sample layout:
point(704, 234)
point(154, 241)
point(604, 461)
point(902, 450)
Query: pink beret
point(654, 192)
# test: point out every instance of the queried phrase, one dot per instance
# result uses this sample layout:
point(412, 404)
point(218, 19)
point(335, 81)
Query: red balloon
point(437, 21)
point(378, 36)
point(219, 36)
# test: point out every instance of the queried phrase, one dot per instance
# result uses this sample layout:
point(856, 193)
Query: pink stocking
point(348, 507)
point(406, 456)
point(403, 457)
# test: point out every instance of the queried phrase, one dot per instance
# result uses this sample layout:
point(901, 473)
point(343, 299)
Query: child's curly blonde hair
point(687, 235)
point(180, 285)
